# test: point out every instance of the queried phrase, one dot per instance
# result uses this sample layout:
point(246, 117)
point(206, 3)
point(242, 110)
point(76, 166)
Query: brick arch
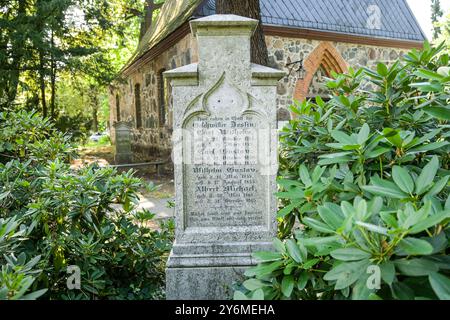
point(324, 55)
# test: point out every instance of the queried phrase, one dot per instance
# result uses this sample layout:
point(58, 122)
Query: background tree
point(251, 9)
point(436, 14)
point(43, 43)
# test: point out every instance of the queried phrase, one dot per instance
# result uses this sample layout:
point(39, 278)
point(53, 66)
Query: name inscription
point(224, 186)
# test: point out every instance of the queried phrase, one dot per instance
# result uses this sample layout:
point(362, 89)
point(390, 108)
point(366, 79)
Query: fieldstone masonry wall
point(153, 139)
point(286, 50)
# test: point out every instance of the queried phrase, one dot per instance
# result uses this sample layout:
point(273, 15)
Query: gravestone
point(225, 159)
point(123, 154)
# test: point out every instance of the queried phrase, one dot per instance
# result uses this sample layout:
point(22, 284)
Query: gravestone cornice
point(123, 124)
point(223, 25)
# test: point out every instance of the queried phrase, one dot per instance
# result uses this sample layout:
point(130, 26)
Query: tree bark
point(150, 8)
point(52, 78)
point(93, 101)
point(17, 48)
point(42, 83)
point(250, 9)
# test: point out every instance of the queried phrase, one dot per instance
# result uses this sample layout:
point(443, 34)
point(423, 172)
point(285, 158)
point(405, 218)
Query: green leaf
point(253, 284)
point(377, 152)
point(440, 285)
point(317, 241)
point(393, 137)
point(34, 295)
point(294, 251)
point(388, 272)
point(438, 186)
point(239, 296)
point(343, 138)
point(331, 218)
point(347, 273)
point(288, 209)
point(292, 195)
point(361, 290)
point(386, 190)
point(427, 175)
point(263, 269)
point(416, 267)
point(279, 245)
point(401, 291)
point(382, 69)
point(350, 254)
point(287, 285)
point(427, 74)
point(310, 263)
point(258, 295)
point(363, 134)
point(267, 256)
point(403, 179)
point(334, 155)
point(429, 222)
point(326, 162)
point(389, 219)
point(429, 147)
point(373, 228)
point(442, 113)
point(304, 176)
point(374, 297)
point(302, 280)
point(317, 225)
point(413, 246)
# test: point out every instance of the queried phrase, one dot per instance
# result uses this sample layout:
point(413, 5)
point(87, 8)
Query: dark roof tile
point(345, 16)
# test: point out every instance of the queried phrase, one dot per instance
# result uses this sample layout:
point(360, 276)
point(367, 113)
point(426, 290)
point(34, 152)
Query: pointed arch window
point(162, 110)
point(321, 62)
point(117, 107)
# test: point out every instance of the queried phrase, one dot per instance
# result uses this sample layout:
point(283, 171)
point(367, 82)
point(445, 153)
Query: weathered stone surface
point(202, 282)
point(123, 153)
point(225, 157)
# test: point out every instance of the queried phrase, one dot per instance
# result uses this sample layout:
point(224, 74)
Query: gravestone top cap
point(123, 125)
point(232, 23)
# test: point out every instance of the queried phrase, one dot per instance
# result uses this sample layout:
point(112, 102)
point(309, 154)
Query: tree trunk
point(93, 101)
point(250, 9)
point(17, 54)
point(95, 118)
point(42, 83)
point(52, 78)
point(149, 9)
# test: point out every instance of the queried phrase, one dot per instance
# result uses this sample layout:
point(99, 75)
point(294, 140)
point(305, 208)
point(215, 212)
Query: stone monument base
point(208, 271)
point(123, 158)
point(207, 283)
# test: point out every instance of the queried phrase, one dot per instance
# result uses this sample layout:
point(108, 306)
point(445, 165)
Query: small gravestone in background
point(225, 158)
point(123, 154)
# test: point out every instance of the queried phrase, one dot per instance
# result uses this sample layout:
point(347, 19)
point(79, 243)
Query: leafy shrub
point(77, 127)
point(53, 217)
point(364, 189)
point(26, 135)
point(16, 275)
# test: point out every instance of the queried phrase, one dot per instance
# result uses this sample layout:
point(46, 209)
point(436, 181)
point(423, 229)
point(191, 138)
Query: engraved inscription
point(223, 182)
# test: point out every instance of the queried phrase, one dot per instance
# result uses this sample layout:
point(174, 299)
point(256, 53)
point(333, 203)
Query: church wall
point(285, 50)
point(153, 139)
